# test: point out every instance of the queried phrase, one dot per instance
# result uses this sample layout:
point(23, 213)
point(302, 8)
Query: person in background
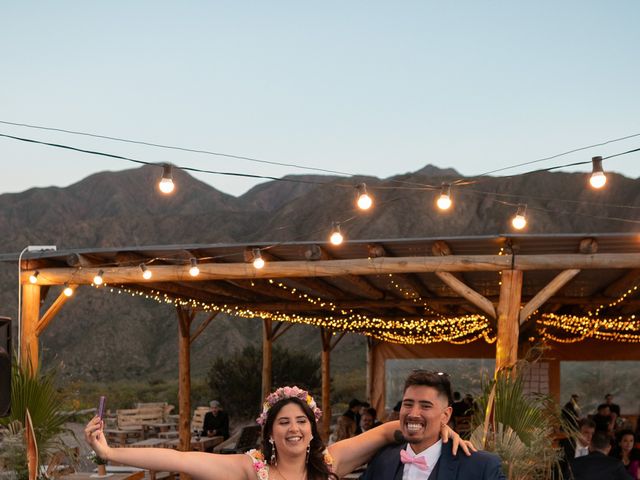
point(368, 419)
point(216, 421)
point(614, 408)
point(345, 428)
point(459, 406)
point(603, 419)
point(578, 447)
point(571, 412)
point(625, 450)
point(353, 412)
point(598, 465)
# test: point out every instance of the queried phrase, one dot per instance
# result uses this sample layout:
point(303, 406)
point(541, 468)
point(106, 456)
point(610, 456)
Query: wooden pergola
point(420, 295)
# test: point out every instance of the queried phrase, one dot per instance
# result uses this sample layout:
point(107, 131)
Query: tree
point(237, 381)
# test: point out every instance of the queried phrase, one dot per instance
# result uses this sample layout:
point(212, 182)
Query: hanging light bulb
point(98, 280)
point(444, 200)
point(166, 184)
point(68, 291)
point(336, 237)
point(146, 273)
point(598, 178)
point(520, 219)
point(33, 278)
point(364, 200)
point(258, 261)
point(194, 271)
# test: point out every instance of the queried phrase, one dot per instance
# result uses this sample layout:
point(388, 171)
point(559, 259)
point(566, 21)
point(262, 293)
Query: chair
point(249, 438)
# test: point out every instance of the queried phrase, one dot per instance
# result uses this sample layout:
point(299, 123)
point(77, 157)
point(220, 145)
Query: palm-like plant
point(517, 426)
point(33, 390)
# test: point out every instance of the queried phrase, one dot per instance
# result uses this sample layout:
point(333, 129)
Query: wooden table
point(120, 436)
point(201, 445)
point(159, 426)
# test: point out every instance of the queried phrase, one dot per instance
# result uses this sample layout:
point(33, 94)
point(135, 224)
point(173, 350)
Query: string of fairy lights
point(596, 325)
point(460, 330)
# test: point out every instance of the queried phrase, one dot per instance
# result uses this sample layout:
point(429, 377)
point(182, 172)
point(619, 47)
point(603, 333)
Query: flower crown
point(288, 392)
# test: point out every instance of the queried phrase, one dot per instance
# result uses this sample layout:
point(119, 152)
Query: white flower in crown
point(288, 392)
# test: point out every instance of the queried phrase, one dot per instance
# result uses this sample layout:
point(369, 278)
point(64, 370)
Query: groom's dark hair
point(437, 380)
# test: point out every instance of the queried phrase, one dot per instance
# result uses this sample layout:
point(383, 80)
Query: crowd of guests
point(605, 445)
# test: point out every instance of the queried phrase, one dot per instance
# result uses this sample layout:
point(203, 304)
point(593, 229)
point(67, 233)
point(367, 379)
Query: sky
point(373, 88)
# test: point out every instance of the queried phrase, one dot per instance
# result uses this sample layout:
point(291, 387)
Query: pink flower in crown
point(288, 392)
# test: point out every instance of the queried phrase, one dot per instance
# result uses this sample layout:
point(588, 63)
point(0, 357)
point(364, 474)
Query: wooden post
point(325, 335)
point(267, 345)
point(30, 318)
point(554, 379)
point(369, 385)
point(508, 319)
point(184, 386)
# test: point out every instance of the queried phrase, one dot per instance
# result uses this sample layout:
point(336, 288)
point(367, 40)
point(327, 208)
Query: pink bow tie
point(419, 462)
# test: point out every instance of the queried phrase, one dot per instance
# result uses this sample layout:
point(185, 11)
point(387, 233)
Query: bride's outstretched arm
point(197, 464)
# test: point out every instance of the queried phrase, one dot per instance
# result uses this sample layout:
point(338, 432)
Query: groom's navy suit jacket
point(386, 465)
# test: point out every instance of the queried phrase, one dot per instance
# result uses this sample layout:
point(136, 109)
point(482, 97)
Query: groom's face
point(422, 413)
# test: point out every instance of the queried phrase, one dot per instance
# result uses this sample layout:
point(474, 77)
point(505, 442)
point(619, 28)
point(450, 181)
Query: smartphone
point(101, 404)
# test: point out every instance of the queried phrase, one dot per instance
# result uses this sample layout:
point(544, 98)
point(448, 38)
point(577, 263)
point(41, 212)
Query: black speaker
point(5, 366)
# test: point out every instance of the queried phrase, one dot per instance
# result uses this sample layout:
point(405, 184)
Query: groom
point(426, 404)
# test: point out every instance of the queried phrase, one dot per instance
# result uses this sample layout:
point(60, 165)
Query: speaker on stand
point(5, 366)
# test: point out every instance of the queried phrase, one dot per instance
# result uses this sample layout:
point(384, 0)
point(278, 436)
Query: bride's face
point(291, 431)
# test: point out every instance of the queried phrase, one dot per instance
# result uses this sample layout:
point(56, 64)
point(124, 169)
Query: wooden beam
point(185, 317)
point(202, 326)
point(53, 310)
point(331, 268)
point(467, 292)
point(361, 285)
point(628, 280)
point(280, 329)
point(543, 295)
point(30, 316)
point(267, 345)
point(508, 314)
point(325, 335)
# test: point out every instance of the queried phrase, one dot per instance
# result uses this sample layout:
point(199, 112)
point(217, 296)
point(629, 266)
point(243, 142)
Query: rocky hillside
point(104, 336)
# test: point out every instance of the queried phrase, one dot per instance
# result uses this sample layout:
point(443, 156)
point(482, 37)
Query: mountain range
point(102, 336)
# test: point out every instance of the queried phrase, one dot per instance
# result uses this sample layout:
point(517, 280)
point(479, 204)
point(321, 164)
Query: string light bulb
point(336, 237)
point(146, 273)
point(166, 185)
point(98, 280)
point(258, 261)
point(444, 200)
point(68, 291)
point(364, 200)
point(598, 178)
point(519, 221)
point(194, 271)
point(33, 278)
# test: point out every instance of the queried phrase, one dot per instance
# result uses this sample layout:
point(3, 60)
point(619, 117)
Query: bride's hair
point(317, 468)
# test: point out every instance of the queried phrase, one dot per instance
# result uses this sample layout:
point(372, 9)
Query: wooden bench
point(197, 421)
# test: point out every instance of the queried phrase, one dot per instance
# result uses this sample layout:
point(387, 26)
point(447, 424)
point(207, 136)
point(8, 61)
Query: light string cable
point(303, 167)
point(293, 180)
